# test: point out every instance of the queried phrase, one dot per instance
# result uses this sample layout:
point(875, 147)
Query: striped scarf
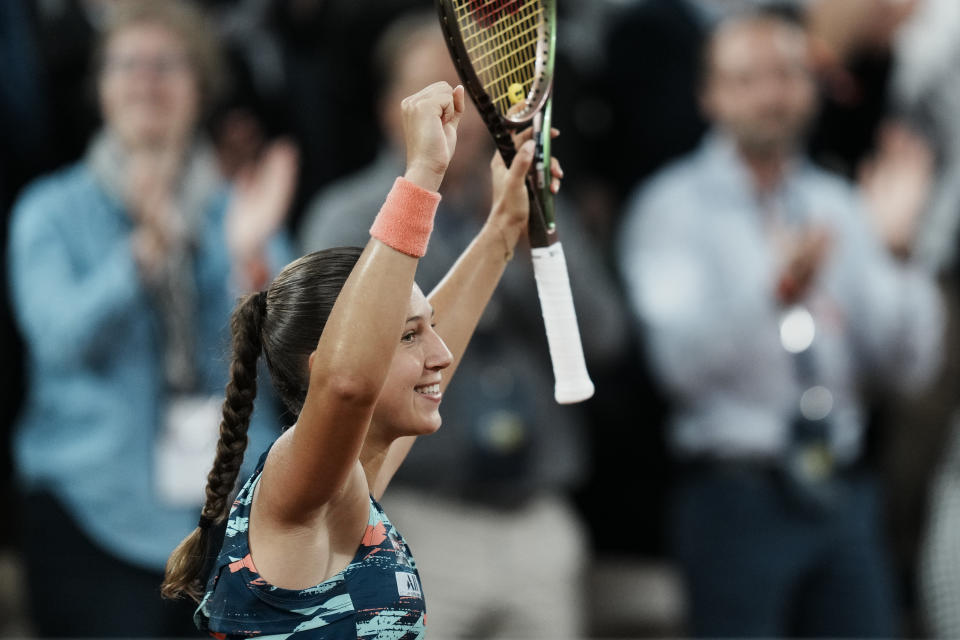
point(175, 292)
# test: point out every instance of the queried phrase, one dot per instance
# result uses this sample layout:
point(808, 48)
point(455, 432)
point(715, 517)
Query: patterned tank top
point(378, 595)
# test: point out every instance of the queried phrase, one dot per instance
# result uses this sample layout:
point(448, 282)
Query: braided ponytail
point(186, 565)
point(301, 299)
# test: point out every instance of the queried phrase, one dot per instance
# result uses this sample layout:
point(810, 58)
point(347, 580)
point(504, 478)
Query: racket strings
point(502, 44)
point(515, 41)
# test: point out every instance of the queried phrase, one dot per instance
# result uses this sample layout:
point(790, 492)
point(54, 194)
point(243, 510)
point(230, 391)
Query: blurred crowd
point(761, 216)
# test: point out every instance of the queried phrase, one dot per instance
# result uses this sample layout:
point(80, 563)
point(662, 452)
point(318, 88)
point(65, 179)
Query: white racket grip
point(560, 319)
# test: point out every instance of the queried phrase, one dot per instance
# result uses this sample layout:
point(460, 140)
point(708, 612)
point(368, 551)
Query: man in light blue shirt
point(769, 305)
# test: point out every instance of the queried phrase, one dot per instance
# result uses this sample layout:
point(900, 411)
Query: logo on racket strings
point(515, 93)
point(488, 12)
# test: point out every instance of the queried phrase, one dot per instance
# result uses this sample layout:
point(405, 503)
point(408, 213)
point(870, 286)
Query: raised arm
point(460, 298)
point(317, 459)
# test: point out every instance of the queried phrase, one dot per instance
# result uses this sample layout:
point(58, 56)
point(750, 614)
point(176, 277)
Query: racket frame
point(573, 382)
point(537, 113)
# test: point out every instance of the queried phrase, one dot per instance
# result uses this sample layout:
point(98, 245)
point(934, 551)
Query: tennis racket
point(503, 51)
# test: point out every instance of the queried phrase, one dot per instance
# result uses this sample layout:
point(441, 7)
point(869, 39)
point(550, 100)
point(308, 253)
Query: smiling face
point(149, 92)
point(409, 403)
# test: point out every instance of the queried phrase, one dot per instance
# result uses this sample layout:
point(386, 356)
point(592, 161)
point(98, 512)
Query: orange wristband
point(406, 218)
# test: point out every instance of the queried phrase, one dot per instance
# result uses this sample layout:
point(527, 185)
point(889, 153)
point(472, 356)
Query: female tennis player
point(362, 357)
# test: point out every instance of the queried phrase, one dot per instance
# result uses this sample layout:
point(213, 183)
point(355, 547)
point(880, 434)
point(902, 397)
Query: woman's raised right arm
point(313, 462)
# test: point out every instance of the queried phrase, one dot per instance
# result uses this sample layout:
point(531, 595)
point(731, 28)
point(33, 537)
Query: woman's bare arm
point(460, 298)
point(317, 459)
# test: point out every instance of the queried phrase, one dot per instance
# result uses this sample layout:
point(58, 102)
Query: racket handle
point(560, 319)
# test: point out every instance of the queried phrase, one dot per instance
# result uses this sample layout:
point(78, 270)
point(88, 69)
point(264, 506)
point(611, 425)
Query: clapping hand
point(805, 255)
point(896, 183)
point(261, 203)
point(149, 194)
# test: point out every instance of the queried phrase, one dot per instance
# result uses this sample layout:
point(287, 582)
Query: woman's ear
point(310, 360)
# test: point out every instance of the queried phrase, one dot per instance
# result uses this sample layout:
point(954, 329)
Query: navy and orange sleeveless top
point(378, 596)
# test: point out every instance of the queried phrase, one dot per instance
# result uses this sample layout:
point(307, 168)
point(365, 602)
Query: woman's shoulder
point(70, 184)
point(59, 203)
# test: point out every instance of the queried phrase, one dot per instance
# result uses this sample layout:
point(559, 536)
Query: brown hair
point(285, 322)
point(184, 20)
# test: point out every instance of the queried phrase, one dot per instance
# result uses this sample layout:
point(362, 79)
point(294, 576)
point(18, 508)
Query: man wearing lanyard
point(769, 306)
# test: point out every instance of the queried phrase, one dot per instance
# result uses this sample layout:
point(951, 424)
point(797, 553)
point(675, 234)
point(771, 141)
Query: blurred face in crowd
point(149, 93)
point(759, 88)
point(425, 61)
